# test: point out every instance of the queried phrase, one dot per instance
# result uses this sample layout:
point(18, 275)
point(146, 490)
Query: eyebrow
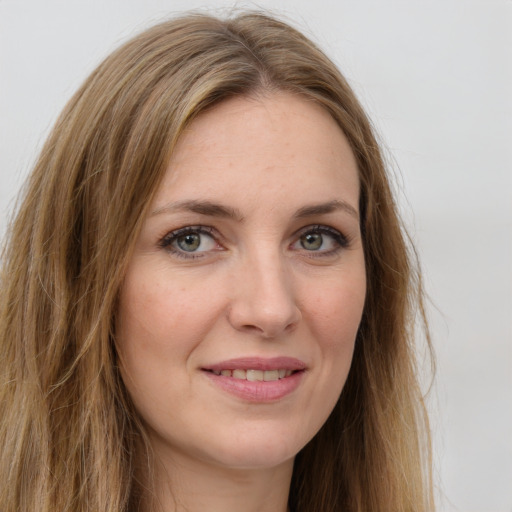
point(211, 209)
point(202, 207)
point(324, 208)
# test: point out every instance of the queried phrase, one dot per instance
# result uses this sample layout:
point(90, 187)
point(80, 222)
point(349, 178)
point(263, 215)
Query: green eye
point(311, 241)
point(320, 240)
point(189, 242)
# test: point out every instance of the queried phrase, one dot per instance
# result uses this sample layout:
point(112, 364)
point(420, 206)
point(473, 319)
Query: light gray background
point(436, 78)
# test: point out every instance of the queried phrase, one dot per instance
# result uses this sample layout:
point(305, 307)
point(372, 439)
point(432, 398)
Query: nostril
point(267, 308)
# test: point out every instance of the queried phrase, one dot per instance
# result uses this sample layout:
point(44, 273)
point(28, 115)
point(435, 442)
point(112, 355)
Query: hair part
point(70, 437)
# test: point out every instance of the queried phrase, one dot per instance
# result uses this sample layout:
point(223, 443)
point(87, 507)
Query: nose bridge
point(264, 300)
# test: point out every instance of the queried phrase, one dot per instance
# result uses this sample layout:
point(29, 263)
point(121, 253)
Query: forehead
point(279, 144)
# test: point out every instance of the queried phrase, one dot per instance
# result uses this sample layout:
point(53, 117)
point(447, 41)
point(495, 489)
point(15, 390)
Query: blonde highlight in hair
point(70, 438)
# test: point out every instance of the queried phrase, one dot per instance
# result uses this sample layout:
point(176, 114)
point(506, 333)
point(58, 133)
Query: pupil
point(311, 241)
point(189, 242)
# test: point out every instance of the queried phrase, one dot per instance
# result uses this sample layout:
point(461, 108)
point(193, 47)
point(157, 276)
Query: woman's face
point(242, 300)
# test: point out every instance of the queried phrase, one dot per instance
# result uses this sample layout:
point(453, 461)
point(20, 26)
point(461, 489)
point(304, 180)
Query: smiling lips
point(255, 375)
point(256, 379)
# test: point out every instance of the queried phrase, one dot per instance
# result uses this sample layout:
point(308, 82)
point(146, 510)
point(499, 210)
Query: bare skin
point(241, 304)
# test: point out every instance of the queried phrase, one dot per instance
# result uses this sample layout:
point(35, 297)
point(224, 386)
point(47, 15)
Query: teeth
point(240, 374)
point(271, 375)
point(255, 375)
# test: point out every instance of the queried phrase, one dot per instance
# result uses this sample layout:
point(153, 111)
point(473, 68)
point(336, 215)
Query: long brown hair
point(69, 436)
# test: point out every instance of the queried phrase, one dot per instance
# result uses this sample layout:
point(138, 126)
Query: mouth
point(255, 375)
point(257, 379)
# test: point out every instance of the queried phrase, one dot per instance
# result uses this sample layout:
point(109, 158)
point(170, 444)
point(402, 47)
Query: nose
point(263, 301)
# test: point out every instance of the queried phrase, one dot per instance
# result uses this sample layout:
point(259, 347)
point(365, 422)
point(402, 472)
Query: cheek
point(146, 331)
point(161, 322)
point(333, 315)
point(158, 327)
point(160, 313)
point(336, 310)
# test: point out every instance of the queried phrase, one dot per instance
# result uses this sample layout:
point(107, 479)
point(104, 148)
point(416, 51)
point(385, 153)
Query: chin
point(256, 459)
point(262, 451)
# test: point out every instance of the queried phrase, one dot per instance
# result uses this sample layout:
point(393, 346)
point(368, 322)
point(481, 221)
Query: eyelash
point(342, 241)
point(166, 243)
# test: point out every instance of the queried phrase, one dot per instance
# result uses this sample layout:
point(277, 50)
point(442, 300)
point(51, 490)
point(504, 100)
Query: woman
point(207, 300)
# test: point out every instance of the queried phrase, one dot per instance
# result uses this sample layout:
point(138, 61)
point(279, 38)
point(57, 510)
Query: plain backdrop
point(435, 76)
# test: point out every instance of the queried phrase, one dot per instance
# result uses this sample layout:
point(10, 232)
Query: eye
point(312, 241)
point(320, 239)
point(189, 241)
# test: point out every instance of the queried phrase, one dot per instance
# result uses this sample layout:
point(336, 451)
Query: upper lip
point(258, 363)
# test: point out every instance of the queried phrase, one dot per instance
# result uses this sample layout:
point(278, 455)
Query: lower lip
point(257, 391)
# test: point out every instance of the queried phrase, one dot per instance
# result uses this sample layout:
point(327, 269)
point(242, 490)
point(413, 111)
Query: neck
point(187, 485)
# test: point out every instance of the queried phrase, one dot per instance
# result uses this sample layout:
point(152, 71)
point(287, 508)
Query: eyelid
point(340, 238)
point(166, 242)
point(173, 234)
